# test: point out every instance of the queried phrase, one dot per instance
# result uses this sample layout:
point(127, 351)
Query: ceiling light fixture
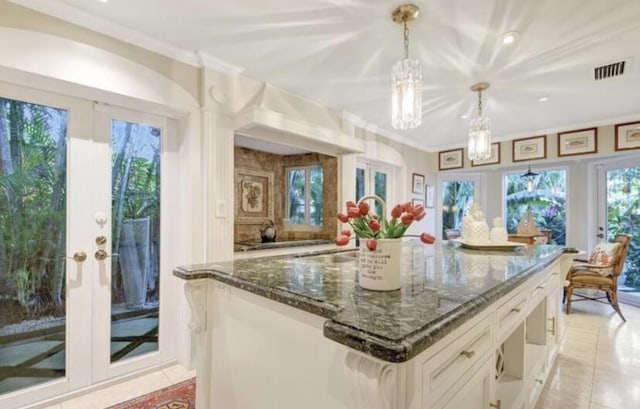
point(406, 77)
point(543, 99)
point(529, 176)
point(479, 129)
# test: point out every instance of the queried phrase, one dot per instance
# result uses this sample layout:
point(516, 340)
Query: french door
point(82, 250)
point(619, 212)
point(374, 179)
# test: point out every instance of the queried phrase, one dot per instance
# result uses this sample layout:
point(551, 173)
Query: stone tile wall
point(268, 162)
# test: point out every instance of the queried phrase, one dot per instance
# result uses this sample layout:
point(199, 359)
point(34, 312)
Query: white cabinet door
point(476, 393)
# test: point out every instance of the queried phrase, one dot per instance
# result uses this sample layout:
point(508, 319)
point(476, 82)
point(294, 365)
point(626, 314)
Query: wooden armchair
point(601, 272)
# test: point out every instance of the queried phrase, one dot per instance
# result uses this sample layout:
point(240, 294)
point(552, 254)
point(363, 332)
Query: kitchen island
point(467, 329)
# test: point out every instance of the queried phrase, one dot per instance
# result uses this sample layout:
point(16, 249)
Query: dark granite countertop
point(249, 246)
point(442, 287)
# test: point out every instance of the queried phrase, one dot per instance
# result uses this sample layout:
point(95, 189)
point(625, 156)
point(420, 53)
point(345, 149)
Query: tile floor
point(127, 390)
point(599, 362)
point(598, 367)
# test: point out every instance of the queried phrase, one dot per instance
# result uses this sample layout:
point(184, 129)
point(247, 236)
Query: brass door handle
point(468, 354)
point(102, 254)
point(496, 405)
point(78, 256)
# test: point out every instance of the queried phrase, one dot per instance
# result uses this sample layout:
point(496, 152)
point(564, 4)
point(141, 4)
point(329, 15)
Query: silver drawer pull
point(516, 310)
point(540, 381)
point(553, 325)
point(468, 354)
point(540, 287)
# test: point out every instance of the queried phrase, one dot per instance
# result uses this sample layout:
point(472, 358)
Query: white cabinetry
point(502, 357)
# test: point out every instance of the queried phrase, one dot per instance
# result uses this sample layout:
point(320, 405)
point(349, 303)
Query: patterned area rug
point(179, 396)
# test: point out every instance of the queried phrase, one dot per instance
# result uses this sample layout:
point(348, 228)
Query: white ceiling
point(340, 53)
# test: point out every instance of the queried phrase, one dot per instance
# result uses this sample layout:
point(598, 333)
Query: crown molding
point(109, 28)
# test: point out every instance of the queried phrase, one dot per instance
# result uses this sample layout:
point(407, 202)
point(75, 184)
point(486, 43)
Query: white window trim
point(306, 226)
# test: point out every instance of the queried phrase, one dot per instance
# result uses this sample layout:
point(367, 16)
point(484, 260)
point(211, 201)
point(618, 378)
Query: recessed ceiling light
point(102, 1)
point(464, 116)
point(510, 37)
point(543, 99)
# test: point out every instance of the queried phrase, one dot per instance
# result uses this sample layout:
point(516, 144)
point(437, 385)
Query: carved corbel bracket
point(196, 292)
point(372, 384)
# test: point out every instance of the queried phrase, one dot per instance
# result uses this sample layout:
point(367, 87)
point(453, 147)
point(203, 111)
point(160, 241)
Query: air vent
point(610, 70)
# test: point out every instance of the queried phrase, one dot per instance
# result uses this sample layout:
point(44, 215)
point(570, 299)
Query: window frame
point(307, 198)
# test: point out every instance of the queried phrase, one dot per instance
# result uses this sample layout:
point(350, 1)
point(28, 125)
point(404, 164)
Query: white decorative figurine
point(498, 233)
point(474, 226)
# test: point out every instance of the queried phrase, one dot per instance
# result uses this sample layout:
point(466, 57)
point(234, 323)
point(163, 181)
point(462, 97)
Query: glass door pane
point(135, 283)
point(623, 217)
point(33, 219)
point(380, 189)
point(456, 197)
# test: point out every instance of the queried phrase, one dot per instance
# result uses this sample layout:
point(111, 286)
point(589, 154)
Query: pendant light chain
point(479, 103)
point(406, 40)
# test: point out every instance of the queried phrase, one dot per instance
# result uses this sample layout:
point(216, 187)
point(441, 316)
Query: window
point(305, 195)
point(548, 202)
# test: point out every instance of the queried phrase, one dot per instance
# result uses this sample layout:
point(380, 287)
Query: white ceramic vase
point(498, 233)
point(380, 269)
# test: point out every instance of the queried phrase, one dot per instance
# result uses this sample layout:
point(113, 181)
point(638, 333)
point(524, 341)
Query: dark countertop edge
point(317, 307)
point(411, 345)
point(277, 245)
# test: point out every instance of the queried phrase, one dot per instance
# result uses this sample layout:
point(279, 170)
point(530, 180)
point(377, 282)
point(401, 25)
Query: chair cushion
point(604, 254)
point(592, 280)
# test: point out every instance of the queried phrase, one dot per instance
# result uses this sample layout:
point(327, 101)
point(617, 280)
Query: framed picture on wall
point(491, 160)
point(628, 136)
point(253, 196)
point(578, 142)
point(416, 202)
point(530, 148)
point(451, 159)
point(417, 184)
point(431, 191)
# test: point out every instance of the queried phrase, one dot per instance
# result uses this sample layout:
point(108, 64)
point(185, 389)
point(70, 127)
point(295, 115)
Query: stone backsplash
point(262, 164)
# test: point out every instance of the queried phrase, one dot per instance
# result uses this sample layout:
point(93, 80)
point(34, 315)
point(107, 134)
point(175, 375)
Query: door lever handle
point(102, 254)
point(78, 256)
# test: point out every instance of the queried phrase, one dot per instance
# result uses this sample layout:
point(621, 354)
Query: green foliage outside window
point(548, 202)
point(306, 195)
point(623, 217)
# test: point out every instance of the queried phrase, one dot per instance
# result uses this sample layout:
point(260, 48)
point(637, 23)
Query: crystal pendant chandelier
point(406, 78)
point(479, 129)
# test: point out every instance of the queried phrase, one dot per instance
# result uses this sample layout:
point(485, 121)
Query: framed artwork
point(491, 160)
point(253, 196)
point(431, 191)
point(416, 202)
point(529, 148)
point(578, 142)
point(451, 159)
point(628, 136)
point(417, 184)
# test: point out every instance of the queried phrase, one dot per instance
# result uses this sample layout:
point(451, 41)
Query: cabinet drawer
point(453, 362)
point(538, 292)
point(510, 315)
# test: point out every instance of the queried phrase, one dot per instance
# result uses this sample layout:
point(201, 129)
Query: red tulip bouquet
point(368, 225)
